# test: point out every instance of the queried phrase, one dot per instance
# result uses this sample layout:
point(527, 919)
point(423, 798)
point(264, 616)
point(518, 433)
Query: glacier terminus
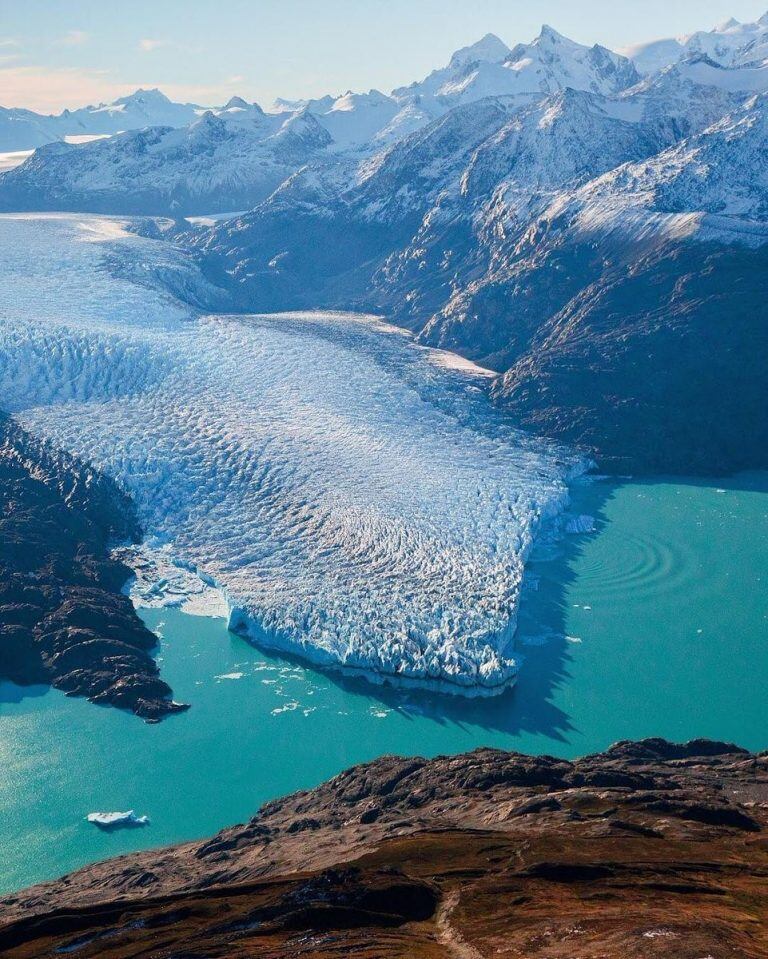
point(354, 495)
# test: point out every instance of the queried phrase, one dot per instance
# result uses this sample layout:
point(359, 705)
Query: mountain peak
point(488, 49)
point(236, 103)
point(550, 35)
point(144, 96)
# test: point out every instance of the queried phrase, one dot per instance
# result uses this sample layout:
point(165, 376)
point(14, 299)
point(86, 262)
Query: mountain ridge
point(480, 208)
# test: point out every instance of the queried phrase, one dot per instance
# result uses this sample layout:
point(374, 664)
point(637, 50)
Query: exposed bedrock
point(649, 849)
point(63, 618)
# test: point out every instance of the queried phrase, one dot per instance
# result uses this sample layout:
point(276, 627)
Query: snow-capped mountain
point(714, 183)
point(366, 121)
point(437, 205)
point(504, 230)
point(549, 63)
point(511, 206)
point(729, 44)
point(490, 49)
point(25, 130)
point(214, 163)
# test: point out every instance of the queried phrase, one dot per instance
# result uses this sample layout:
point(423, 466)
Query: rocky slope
point(650, 849)
point(63, 618)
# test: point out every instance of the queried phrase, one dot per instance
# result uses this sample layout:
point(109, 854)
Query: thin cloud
point(148, 45)
point(48, 90)
point(74, 38)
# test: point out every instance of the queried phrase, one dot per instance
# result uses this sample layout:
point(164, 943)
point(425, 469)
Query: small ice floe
point(117, 820)
point(287, 708)
point(581, 524)
point(572, 639)
point(230, 676)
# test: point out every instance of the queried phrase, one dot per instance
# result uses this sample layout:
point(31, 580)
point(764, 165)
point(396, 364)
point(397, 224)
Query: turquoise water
point(655, 625)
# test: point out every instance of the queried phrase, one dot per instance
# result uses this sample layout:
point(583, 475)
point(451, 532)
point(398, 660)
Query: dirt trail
point(448, 935)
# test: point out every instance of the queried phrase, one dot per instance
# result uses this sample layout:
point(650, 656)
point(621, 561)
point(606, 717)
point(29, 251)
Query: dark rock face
point(656, 364)
point(63, 618)
point(649, 849)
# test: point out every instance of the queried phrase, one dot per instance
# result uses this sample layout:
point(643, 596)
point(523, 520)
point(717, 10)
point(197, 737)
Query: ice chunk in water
point(117, 820)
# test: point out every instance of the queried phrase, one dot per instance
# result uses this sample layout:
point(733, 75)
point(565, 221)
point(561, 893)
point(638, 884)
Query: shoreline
point(556, 831)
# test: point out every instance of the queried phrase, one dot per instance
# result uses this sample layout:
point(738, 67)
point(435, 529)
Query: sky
point(57, 54)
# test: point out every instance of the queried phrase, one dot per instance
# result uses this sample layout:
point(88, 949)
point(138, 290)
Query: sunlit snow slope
point(351, 492)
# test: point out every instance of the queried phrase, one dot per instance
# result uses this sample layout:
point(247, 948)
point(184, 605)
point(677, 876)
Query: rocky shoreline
point(650, 849)
point(64, 621)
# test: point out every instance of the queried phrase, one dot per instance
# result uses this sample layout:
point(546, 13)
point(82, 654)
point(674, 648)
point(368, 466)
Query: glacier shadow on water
point(527, 707)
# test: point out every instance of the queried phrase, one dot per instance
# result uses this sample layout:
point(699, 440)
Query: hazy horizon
point(52, 56)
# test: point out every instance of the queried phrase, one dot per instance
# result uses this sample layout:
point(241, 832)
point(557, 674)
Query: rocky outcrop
point(649, 849)
point(63, 618)
point(639, 368)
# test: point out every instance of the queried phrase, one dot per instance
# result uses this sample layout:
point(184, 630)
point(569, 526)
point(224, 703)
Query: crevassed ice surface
point(355, 498)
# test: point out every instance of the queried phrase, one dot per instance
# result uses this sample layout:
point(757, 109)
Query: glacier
point(355, 498)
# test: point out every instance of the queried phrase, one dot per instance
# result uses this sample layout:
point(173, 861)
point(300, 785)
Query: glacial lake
point(656, 624)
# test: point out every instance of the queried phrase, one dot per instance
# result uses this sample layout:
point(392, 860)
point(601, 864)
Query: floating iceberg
point(355, 501)
point(117, 820)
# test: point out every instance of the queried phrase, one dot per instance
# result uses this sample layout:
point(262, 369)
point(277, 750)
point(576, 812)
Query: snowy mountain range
point(731, 44)
point(217, 162)
point(514, 206)
point(25, 130)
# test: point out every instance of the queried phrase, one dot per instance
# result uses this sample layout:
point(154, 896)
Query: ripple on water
point(645, 565)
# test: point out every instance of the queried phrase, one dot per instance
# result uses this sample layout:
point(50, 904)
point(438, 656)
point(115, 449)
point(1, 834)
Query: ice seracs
point(580, 524)
point(358, 504)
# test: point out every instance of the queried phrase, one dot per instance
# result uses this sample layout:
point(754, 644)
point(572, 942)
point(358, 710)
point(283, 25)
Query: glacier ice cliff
point(357, 500)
